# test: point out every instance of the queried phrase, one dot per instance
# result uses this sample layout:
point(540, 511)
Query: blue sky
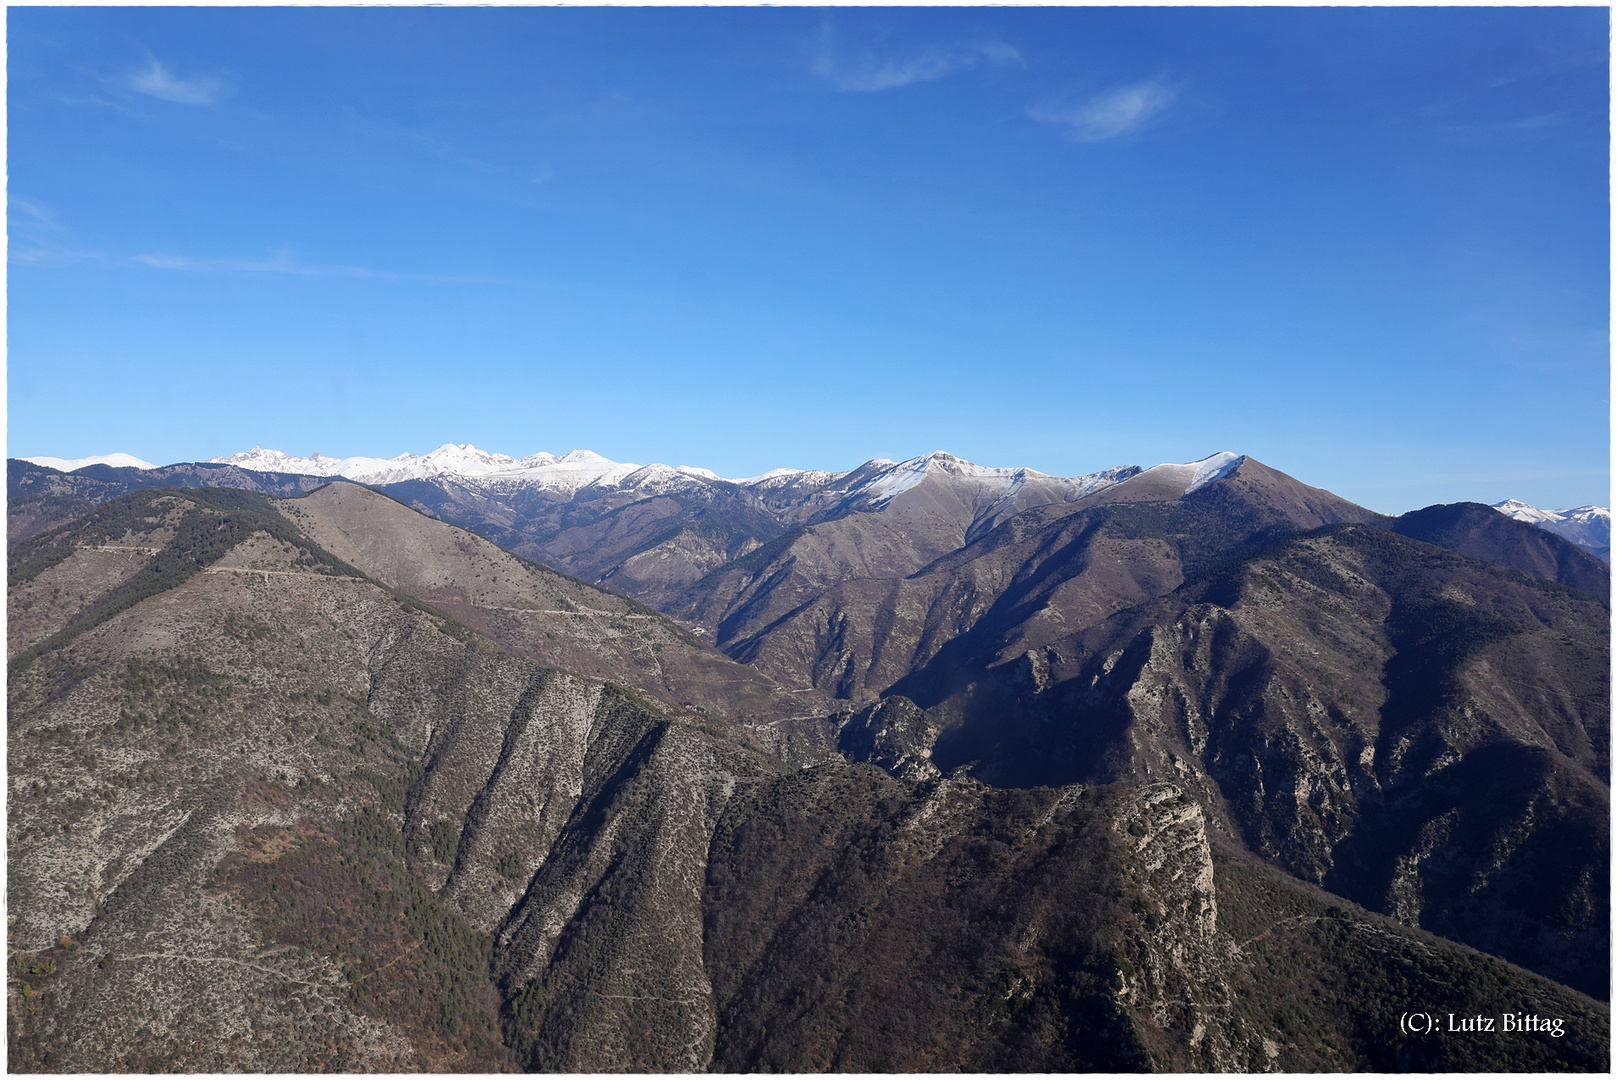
point(1369, 247)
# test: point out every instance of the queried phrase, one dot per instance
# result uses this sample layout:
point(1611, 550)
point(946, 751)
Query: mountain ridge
point(1587, 526)
point(778, 575)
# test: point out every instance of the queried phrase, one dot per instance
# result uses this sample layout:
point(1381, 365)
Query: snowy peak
point(116, 461)
point(582, 458)
point(777, 475)
point(569, 474)
point(449, 459)
point(259, 459)
point(1513, 508)
point(900, 477)
point(1587, 526)
point(1193, 475)
point(876, 483)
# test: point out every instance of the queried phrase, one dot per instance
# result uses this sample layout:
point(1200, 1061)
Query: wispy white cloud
point(88, 99)
point(426, 144)
point(1528, 123)
point(1570, 351)
point(444, 150)
point(159, 82)
point(283, 263)
point(866, 70)
point(1107, 115)
point(279, 263)
point(26, 214)
point(1534, 122)
point(45, 257)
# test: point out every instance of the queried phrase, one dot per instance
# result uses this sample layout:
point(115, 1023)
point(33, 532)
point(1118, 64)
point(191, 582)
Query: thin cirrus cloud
point(30, 215)
point(280, 263)
point(283, 263)
point(1527, 124)
point(869, 72)
point(1107, 115)
point(159, 82)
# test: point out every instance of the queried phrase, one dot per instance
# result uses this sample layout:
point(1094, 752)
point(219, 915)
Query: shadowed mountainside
point(654, 540)
point(1483, 533)
point(1425, 733)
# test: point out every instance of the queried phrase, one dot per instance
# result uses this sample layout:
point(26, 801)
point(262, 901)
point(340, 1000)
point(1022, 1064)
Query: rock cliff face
point(285, 795)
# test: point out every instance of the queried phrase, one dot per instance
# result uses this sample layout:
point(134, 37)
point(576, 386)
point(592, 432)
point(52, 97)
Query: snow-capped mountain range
point(871, 485)
point(1587, 526)
point(874, 483)
point(116, 461)
point(568, 472)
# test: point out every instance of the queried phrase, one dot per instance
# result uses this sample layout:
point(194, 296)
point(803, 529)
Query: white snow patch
point(573, 471)
point(1198, 474)
point(656, 479)
point(897, 479)
point(117, 461)
point(772, 474)
point(900, 477)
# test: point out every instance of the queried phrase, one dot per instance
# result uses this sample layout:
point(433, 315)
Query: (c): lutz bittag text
point(1420, 1023)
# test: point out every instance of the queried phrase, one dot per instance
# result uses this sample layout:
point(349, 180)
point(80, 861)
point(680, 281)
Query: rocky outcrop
point(895, 735)
point(1170, 976)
